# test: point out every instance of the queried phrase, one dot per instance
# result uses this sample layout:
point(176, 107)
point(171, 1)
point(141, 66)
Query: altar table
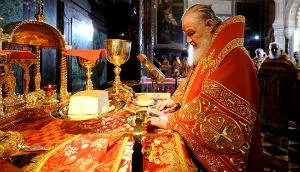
point(106, 145)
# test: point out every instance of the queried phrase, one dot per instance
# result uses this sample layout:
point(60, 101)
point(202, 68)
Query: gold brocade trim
point(41, 159)
point(167, 154)
point(179, 142)
point(191, 81)
point(241, 163)
point(162, 153)
point(238, 42)
point(229, 100)
point(216, 132)
point(211, 64)
point(235, 19)
point(230, 46)
point(246, 52)
point(176, 100)
point(178, 94)
point(192, 110)
point(208, 62)
point(117, 161)
point(222, 133)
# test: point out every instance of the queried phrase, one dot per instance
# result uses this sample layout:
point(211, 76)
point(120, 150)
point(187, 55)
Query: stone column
point(278, 24)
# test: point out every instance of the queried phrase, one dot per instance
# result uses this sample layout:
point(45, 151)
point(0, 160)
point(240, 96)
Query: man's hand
point(166, 106)
point(160, 122)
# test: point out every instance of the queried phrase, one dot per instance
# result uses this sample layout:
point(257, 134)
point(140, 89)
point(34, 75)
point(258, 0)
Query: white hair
point(274, 43)
point(259, 49)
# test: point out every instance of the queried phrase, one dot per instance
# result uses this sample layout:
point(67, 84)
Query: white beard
point(194, 55)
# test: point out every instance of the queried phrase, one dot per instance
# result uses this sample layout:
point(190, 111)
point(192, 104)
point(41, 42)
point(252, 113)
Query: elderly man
point(297, 59)
point(259, 58)
point(277, 77)
point(215, 107)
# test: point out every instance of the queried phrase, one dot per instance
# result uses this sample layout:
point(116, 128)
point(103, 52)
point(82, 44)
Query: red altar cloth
point(18, 54)
point(59, 136)
point(85, 153)
point(91, 55)
point(74, 147)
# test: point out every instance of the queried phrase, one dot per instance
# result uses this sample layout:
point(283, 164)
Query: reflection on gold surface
point(36, 35)
point(61, 112)
point(39, 35)
point(88, 65)
point(157, 75)
point(117, 53)
point(9, 143)
point(50, 91)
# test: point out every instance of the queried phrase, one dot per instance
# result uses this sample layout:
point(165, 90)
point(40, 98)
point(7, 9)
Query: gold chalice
point(88, 65)
point(50, 91)
point(117, 53)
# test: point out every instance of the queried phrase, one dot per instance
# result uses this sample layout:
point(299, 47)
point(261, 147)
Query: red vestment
point(219, 102)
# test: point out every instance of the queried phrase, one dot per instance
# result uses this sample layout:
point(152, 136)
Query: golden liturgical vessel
point(117, 53)
point(88, 65)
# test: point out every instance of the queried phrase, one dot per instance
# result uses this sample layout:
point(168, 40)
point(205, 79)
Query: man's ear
point(209, 23)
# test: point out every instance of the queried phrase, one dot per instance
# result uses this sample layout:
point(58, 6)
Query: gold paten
point(117, 53)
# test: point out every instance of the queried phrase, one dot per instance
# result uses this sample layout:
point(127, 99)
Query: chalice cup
point(50, 91)
point(117, 53)
point(88, 65)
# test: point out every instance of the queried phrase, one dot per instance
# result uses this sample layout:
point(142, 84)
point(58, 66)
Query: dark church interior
point(46, 50)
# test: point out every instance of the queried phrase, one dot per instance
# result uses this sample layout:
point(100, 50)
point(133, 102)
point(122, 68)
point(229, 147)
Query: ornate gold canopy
point(35, 33)
point(39, 34)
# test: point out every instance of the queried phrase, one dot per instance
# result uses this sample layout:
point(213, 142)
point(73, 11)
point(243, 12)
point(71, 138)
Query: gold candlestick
point(88, 65)
point(50, 91)
point(117, 53)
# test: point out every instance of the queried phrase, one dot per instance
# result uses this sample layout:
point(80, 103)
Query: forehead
point(190, 21)
point(274, 46)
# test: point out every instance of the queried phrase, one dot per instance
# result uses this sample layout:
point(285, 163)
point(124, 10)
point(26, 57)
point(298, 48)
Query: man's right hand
point(166, 106)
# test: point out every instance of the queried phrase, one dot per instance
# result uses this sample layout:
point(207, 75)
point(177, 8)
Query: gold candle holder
point(88, 65)
point(117, 53)
point(50, 91)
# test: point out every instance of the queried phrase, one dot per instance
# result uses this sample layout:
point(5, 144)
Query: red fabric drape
point(91, 55)
point(19, 54)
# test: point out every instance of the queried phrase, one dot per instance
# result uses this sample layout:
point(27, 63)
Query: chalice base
point(124, 92)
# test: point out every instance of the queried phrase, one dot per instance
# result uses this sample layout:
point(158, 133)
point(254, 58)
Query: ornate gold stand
point(88, 65)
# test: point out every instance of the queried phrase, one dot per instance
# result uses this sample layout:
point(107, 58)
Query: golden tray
point(61, 112)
